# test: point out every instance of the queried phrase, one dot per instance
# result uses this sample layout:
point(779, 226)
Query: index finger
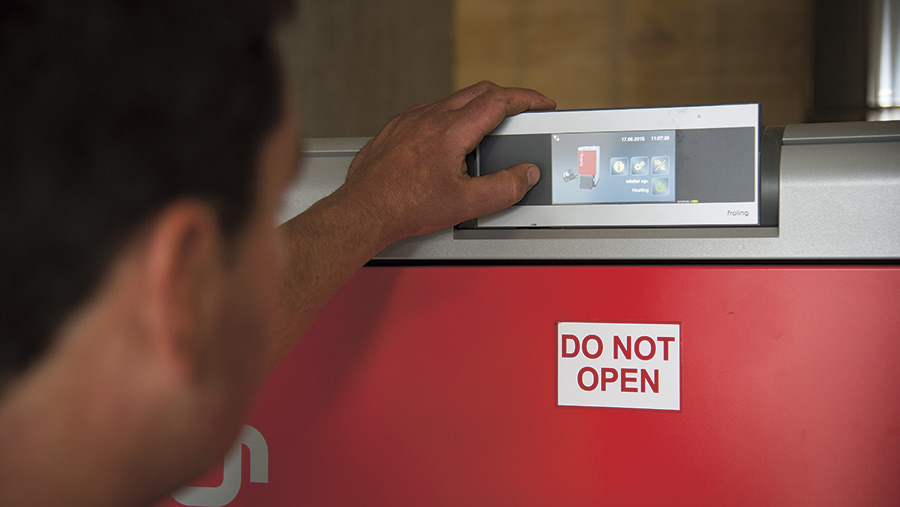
point(465, 95)
point(483, 113)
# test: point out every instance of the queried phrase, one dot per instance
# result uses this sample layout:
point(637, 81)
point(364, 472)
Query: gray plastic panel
point(840, 190)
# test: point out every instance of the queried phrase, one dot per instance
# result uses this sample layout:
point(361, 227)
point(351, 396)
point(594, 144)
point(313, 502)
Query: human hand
point(413, 174)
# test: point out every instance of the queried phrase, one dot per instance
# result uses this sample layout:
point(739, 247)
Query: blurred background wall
point(613, 53)
point(359, 62)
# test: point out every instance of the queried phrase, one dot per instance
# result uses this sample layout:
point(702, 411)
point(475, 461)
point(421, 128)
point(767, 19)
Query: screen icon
point(588, 166)
point(659, 165)
point(618, 166)
point(660, 186)
point(640, 165)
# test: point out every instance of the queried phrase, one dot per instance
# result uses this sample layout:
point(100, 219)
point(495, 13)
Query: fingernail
point(534, 175)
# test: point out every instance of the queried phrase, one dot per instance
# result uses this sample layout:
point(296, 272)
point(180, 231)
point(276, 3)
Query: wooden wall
point(616, 53)
point(357, 63)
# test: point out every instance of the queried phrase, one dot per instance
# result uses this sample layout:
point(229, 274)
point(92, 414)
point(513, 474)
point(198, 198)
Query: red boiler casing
point(432, 379)
point(405, 392)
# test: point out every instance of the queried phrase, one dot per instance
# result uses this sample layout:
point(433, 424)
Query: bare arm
point(410, 179)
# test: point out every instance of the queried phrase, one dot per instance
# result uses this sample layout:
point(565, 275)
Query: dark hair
point(109, 111)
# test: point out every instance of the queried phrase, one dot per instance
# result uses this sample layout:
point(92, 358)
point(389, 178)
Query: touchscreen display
point(608, 167)
point(641, 167)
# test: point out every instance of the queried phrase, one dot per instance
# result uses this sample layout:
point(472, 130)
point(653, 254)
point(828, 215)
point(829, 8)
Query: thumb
point(494, 192)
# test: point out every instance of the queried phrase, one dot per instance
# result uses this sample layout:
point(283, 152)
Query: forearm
point(410, 179)
point(323, 248)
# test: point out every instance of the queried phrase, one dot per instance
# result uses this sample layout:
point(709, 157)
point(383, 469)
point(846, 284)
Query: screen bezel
point(605, 215)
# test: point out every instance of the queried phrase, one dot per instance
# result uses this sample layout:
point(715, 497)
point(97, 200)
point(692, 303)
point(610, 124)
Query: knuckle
point(395, 121)
point(498, 100)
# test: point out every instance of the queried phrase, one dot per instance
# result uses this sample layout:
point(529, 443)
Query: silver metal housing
point(839, 201)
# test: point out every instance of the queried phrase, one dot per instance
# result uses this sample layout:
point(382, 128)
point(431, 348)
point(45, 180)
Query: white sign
point(619, 365)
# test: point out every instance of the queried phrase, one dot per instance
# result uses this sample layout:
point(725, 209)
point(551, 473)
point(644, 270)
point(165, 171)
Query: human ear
point(185, 281)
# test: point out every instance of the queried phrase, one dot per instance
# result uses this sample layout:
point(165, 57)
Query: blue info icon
point(618, 166)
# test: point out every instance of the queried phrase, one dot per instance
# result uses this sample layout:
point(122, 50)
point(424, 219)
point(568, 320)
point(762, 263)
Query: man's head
point(143, 151)
point(112, 110)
